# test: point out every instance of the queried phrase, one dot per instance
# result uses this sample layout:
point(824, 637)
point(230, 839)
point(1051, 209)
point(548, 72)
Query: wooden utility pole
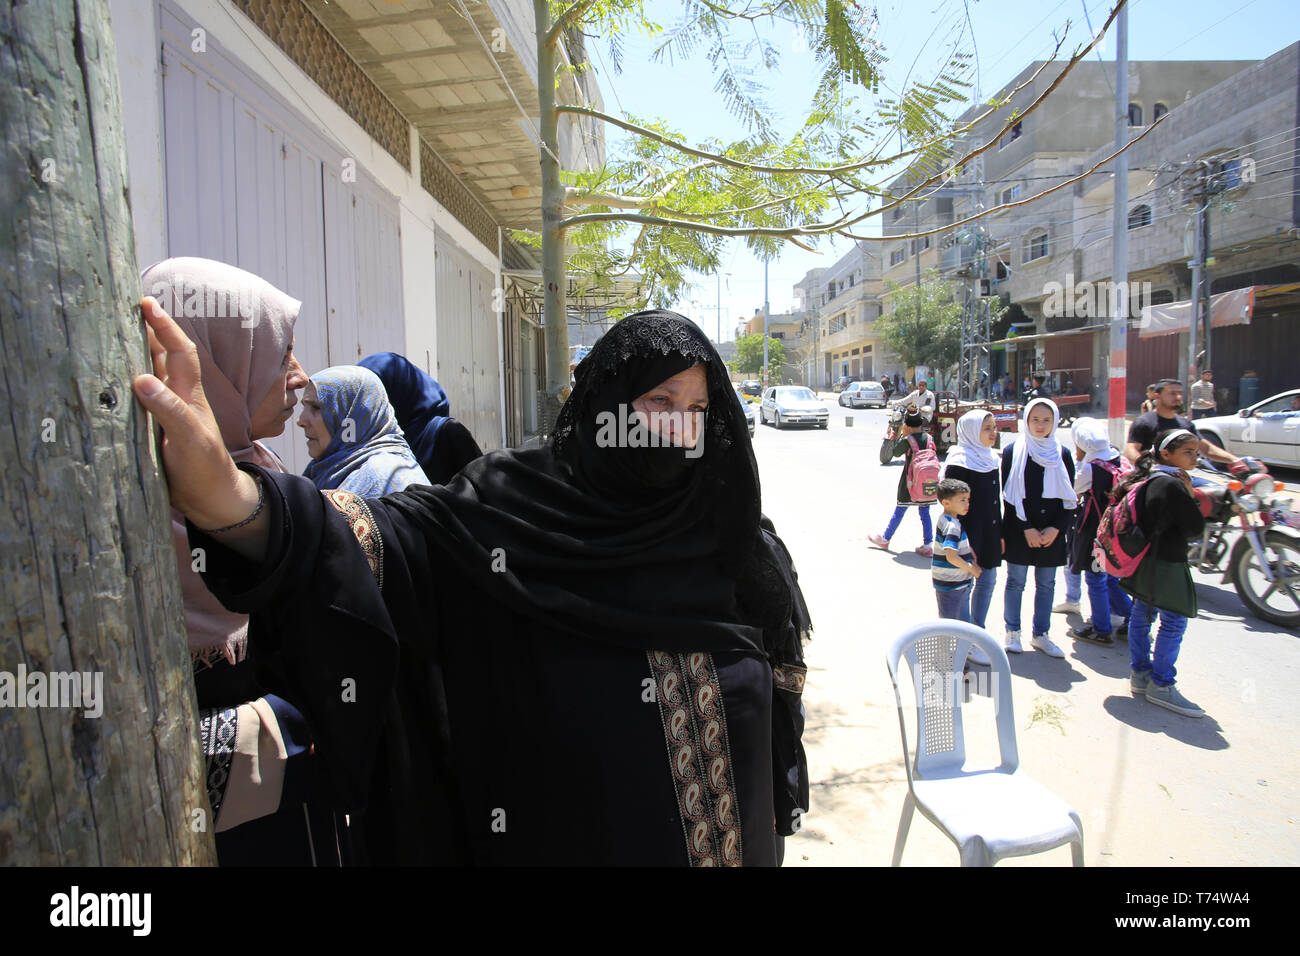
point(87, 575)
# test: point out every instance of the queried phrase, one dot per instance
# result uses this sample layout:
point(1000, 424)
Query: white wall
point(135, 31)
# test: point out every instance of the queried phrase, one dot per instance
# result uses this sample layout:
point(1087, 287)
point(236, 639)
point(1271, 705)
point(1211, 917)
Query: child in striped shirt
point(952, 569)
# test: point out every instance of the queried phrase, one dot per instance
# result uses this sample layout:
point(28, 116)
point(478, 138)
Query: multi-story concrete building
point(842, 303)
point(1024, 249)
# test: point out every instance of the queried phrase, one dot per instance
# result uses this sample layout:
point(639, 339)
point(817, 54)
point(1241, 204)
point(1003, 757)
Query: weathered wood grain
point(87, 580)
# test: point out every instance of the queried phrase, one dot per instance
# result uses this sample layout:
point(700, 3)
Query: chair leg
point(1076, 846)
point(975, 853)
point(904, 822)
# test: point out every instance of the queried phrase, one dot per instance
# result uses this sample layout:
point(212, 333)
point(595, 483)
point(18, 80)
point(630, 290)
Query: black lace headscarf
point(638, 546)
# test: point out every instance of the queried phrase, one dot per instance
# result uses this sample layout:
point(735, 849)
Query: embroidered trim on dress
point(789, 677)
point(695, 727)
point(217, 730)
point(354, 508)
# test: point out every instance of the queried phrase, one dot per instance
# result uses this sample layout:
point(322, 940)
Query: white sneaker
point(977, 656)
point(1067, 607)
point(1012, 643)
point(1044, 643)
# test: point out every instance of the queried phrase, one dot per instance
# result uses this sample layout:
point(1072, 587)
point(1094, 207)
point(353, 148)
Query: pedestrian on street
point(973, 461)
point(953, 567)
point(1146, 429)
point(912, 443)
point(1039, 501)
point(1169, 516)
point(1204, 404)
point(353, 437)
point(1101, 467)
point(533, 636)
point(1149, 403)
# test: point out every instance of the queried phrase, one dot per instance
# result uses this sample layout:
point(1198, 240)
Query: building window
point(1010, 136)
point(1001, 271)
point(1135, 114)
point(1035, 246)
point(898, 255)
point(1139, 217)
point(898, 212)
point(1158, 111)
point(1010, 193)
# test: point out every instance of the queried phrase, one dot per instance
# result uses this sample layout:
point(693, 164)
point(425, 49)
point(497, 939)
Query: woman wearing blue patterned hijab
point(353, 437)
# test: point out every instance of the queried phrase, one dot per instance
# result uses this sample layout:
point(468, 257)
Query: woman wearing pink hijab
point(243, 329)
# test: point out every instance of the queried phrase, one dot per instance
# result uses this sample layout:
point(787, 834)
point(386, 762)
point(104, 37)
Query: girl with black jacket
point(1169, 517)
point(1038, 492)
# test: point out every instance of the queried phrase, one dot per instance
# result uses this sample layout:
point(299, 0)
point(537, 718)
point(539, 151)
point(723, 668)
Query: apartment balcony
point(846, 337)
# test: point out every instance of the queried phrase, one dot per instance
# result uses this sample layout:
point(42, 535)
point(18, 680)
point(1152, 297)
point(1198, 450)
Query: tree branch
point(562, 22)
point(1011, 121)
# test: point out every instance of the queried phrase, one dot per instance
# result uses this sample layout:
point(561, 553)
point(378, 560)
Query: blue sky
point(1008, 35)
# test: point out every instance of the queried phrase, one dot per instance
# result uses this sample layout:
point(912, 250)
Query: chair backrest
point(932, 651)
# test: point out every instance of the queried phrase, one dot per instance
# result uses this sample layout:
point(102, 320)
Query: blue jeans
point(1073, 586)
point(954, 604)
point(1168, 639)
point(981, 596)
point(1044, 589)
point(1106, 597)
point(898, 517)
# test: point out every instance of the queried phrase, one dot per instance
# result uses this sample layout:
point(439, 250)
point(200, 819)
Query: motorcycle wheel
point(1279, 601)
point(887, 451)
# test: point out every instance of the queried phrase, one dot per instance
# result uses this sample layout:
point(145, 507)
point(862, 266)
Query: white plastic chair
point(989, 814)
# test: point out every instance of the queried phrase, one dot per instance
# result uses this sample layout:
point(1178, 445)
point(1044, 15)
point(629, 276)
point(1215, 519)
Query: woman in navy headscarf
point(353, 436)
point(441, 444)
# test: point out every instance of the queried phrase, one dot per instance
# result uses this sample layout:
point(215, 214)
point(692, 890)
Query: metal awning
point(1038, 337)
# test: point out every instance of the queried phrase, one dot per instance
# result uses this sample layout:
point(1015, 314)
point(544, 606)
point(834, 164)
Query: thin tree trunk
point(87, 575)
point(554, 310)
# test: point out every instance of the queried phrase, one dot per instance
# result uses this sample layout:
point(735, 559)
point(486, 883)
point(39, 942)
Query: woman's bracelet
point(261, 500)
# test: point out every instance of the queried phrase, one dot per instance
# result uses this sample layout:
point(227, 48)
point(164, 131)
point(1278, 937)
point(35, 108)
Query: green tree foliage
point(749, 354)
point(924, 324)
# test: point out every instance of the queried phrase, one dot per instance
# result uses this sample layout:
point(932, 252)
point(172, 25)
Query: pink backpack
point(1121, 545)
point(1119, 470)
point(922, 471)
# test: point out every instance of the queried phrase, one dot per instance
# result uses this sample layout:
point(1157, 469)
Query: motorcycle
point(1253, 536)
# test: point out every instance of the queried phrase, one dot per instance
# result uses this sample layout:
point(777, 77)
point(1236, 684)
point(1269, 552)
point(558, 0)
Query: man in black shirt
point(1148, 428)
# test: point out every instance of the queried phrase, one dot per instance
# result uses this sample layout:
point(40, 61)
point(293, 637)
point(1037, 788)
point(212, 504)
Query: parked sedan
point(1268, 430)
point(863, 395)
point(793, 405)
point(750, 417)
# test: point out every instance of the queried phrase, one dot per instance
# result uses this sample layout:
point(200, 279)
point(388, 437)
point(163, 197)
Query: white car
point(863, 395)
point(793, 405)
point(1268, 430)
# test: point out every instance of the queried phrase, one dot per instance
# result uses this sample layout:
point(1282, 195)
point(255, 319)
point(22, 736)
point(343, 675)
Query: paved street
point(1152, 788)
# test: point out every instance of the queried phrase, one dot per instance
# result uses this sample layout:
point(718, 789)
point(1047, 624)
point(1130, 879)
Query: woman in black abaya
point(587, 653)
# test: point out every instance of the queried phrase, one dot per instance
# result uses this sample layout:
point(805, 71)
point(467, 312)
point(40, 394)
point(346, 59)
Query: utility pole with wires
point(1117, 367)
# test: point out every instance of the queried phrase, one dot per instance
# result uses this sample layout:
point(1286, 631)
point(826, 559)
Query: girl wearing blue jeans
point(1162, 585)
point(973, 461)
point(1038, 508)
point(913, 426)
point(1100, 467)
